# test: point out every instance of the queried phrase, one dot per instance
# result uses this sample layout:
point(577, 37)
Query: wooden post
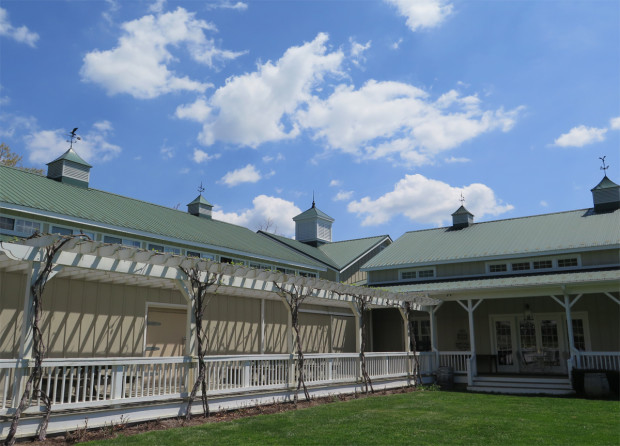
point(406, 331)
point(262, 326)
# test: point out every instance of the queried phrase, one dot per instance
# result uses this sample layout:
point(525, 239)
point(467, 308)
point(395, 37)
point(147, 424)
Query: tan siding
point(460, 269)
point(12, 293)
point(276, 319)
point(233, 325)
point(315, 332)
point(343, 334)
point(606, 257)
point(390, 275)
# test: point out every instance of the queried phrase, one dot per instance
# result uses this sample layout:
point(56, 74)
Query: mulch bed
point(126, 429)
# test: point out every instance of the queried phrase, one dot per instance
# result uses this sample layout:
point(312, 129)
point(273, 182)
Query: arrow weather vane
point(201, 189)
point(605, 166)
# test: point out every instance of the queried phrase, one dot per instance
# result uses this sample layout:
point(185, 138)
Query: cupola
point(70, 168)
point(462, 218)
point(313, 227)
point(200, 207)
point(606, 196)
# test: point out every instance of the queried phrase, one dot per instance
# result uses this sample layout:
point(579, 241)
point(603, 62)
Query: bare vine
point(33, 389)
point(362, 302)
point(200, 302)
point(414, 348)
point(294, 298)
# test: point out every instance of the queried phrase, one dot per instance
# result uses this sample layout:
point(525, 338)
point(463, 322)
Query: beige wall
point(605, 257)
point(233, 325)
point(390, 275)
point(460, 269)
point(12, 292)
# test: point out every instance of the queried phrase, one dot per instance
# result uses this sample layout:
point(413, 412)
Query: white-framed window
point(232, 260)
point(417, 273)
point(18, 226)
point(542, 264)
point(64, 230)
point(122, 241)
point(568, 262)
point(170, 249)
point(155, 247)
point(536, 264)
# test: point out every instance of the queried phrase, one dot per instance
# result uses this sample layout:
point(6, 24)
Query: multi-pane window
point(193, 254)
point(579, 334)
point(408, 275)
point(521, 266)
point(7, 223)
point(153, 247)
point(422, 335)
point(113, 240)
point(62, 231)
point(500, 268)
point(27, 226)
point(175, 251)
point(566, 263)
point(527, 332)
point(542, 264)
point(426, 273)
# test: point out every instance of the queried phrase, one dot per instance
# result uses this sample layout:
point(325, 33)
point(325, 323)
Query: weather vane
point(605, 166)
point(73, 137)
point(201, 189)
point(462, 199)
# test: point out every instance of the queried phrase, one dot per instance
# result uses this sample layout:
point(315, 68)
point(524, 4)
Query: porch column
point(262, 326)
point(191, 343)
point(470, 308)
point(433, 323)
point(406, 331)
point(567, 305)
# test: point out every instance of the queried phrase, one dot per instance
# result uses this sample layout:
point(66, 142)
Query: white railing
point(96, 382)
point(457, 360)
point(597, 360)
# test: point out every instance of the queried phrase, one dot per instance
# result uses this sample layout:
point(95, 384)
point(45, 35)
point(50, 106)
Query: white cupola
point(313, 227)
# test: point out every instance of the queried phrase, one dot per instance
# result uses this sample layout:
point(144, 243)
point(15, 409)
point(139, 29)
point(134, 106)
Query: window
point(7, 223)
point(521, 266)
point(408, 275)
point(542, 264)
point(255, 265)
point(498, 268)
point(290, 271)
point(175, 251)
point(193, 254)
point(579, 334)
point(426, 273)
point(157, 248)
point(305, 274)
point(61, 230)
point(422, 335)
point(114, 240)
point(27, 226)
point(134, 243)
point(566, 263)
point(281, 270)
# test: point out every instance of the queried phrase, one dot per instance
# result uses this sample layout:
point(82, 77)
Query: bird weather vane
point(462, 199)
point(605, 166)
point(201, 189)
point(73, 137)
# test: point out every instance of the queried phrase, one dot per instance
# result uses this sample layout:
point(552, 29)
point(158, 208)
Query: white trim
point(376, 245)
point(139, 233)
point(330, 313)
point(499, 257)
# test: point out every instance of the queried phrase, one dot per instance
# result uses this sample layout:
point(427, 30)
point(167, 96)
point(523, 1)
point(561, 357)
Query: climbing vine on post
point(33, 389)
point(362, 302)
point(200, 302)
point(294, 297)
point(414, 348)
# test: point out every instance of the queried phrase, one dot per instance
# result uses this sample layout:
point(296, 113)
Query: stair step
point(522, 385)
point(521, 390)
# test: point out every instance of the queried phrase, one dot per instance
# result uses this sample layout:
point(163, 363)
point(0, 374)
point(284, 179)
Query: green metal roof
point(71, 155)
point(462, 210)
point(313, 212)
point(336, 254)
point(572, 230)
point(150, 220)
point(200, 200)
point(510, 282)
point(605, 183)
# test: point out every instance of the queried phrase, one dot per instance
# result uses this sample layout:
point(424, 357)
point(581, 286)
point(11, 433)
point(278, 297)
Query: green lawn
point(424, 417)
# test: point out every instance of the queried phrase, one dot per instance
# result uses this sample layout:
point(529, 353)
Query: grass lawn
point(424, 417)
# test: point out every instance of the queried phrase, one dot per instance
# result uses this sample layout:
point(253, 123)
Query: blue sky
point(387, 111)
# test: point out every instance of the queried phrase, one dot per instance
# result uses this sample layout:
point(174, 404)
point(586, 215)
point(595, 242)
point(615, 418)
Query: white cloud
point(335, 183)
point(138, 65)
point(46, 145)
point(21, 34)
point(198, 111)
point(422, 13)
point(200, 156)
point(396, 44)
point(426, 201)
point(387, 119)
point(239, 6)
point(357, 51)
point(454, 159)
point(343, 195)
point(157, 7)
point(544, 204)
point(280, 212)
point(167, 152)
point(268, 159)
point(257, 107)
point(581, 136)
point(614, 123)
point(113, 6)
point(247, 174)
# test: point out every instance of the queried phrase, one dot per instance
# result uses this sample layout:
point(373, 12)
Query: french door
point(505, 343)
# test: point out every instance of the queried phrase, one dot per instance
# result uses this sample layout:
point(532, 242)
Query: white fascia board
point(351, 263)
point(125, 230)
point(522, 255)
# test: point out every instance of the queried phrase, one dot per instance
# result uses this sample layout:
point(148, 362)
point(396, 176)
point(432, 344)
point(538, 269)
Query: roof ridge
point(357, 239)
point(504, 219)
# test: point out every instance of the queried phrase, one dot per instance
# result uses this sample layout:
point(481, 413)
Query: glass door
point(505, 344)
point(551, 342)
